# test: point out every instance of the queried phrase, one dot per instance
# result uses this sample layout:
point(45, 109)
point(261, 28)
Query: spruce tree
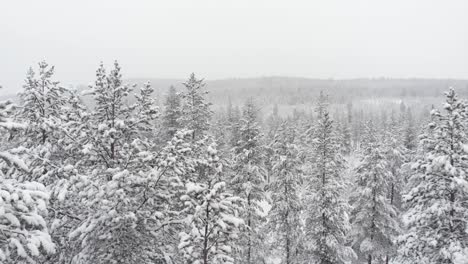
point(196, 113)
point(213, 216)
point(397, 156)
point(436, 201)
point(41, 99)
point(172, 112)
point(327, 223)
point(249, 178)
point(130, 183)
point(284, 218)
point(24, 235)
point(48, 109)
point(374, 217)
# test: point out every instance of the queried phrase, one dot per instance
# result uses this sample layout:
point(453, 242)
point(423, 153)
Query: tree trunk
point(392, 193)
point(205, 242)
point(44, 136)
point(249, 224)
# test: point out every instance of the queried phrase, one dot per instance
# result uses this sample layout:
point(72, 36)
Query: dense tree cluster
point(108, 176)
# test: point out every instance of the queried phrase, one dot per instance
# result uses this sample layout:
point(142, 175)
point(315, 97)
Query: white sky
point(235, 38)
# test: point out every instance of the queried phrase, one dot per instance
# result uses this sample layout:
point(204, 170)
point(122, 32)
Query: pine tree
point(24, 235)
point(285, 215)
point(249, 178)
point(129, 184)
point(374, 217)
point(110, 114)
point(41, 107)
point(146, 109)
point(138, 218)
point(172, 112)
point(396, 156)
point(214, 221)
point(327, 212)
point(46, 108)
point(42, 100)
point(66, 210)
point(436, 200)
point(196, 111)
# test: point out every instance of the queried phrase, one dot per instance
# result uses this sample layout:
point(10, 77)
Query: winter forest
point(106, 174)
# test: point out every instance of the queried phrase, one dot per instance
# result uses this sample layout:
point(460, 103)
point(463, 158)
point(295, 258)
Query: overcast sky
point(241, 38)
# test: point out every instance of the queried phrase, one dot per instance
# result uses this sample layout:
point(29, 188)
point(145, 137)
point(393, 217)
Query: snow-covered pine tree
point(327, 222)
point(42, 100)
point(196, 113)
point(110, 129)
point(397, 156)
point(374, 217)
point(249, 179)
point(24, 235)
point(172, 112)
point(284, 218)
point(213, 216)
point(138, 219)
point(41, 107)
point(146, 110)
point(436, 202)
point(129, 184)
point(66, 210)
point(46, 108)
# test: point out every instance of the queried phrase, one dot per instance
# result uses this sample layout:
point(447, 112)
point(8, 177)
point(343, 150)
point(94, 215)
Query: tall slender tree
point(249, 178)
point(172, 112)
point(327, 223)
point(284, 218)
point(374, 216)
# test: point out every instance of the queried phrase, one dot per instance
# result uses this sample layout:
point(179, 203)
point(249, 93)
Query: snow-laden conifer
point(284, 217)
point(374, 216)
point(436, 201)
point(214, 221)
point(327, 223)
